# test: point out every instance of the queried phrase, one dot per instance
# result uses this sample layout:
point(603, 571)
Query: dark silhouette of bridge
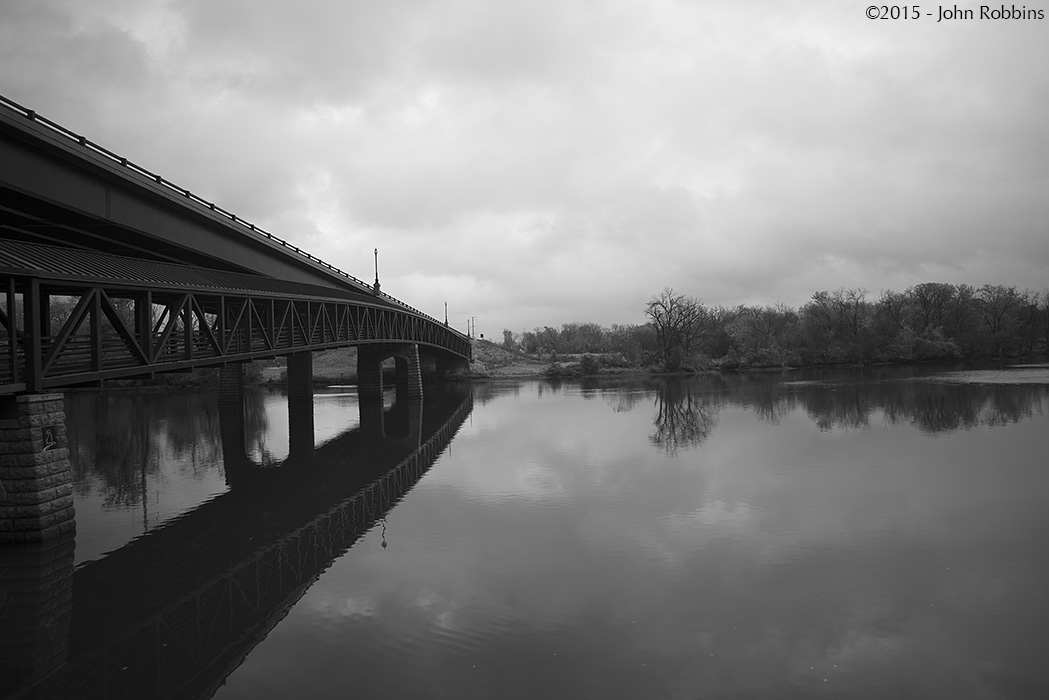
point(108, 271)
point(174, 612)
point(162, 279)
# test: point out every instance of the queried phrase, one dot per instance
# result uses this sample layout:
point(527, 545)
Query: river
point(826, 534)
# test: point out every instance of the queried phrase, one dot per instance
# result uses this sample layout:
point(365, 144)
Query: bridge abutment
point(36, 487)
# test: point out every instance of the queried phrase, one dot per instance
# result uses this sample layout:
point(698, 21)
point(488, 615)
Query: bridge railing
point(247, 227)
point(121, 332)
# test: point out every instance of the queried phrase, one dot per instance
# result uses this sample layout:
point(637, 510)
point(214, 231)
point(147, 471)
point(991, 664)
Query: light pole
point(376, 288)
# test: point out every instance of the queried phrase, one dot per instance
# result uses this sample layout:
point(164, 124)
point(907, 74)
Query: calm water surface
point(838, 535)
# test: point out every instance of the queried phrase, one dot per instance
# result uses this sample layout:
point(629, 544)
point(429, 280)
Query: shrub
point(556, 370)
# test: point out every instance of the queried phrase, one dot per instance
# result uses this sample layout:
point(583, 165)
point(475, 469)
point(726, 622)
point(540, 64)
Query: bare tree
point(997, 305)
point(678, 322)
point(1043, 308)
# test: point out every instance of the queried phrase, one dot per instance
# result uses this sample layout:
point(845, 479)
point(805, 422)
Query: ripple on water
point(1022, 374)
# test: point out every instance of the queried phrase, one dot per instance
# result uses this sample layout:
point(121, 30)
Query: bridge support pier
point(300, 403)
point(231, 384)
point(231, 419)
point(369, 370)
point(369, 373)
point(36, 486)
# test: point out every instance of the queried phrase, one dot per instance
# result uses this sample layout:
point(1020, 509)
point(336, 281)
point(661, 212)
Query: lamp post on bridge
point(375, 289)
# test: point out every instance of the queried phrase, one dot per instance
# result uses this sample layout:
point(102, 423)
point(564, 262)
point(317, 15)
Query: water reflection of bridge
point(173, 613)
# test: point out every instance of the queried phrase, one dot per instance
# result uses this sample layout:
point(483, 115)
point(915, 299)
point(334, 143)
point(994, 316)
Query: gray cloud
point(538, 163)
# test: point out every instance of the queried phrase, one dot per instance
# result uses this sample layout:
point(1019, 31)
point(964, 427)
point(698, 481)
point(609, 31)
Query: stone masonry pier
point(36, 489)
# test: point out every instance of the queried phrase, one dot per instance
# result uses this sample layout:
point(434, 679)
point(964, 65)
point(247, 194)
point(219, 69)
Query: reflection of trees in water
point(687, 409)
point(684, 416)
point(623, 395)
point(255, 424)
point(110, 441)
point(767, 401)
point(624, 400)
point(932, 407)
point(488, 391)
point(845, 406)
point(117, 441)
point(944, 407)
point(1012, 404)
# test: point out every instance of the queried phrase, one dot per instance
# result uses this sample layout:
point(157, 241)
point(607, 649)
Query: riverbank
point(490, 363)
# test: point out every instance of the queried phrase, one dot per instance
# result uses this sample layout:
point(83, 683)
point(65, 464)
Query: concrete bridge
point(108, 270)
point(174, 612)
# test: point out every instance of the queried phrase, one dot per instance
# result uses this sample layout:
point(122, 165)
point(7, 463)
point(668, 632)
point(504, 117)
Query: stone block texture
point(369, 370)
point(36, 485)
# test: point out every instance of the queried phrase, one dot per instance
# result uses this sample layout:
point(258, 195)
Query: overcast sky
point(537, 162)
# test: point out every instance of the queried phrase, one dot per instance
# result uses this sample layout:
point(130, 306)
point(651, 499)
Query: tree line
point(929, 321)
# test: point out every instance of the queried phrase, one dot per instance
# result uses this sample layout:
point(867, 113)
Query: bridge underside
point(69, 318)
point(59, 188)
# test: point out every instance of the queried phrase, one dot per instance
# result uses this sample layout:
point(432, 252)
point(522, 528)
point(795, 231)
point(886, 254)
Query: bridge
point(174, 612)
point(110, 271)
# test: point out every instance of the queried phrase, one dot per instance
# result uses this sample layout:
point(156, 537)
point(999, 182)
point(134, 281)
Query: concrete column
point(412, 383)
point(369, 373)
point(36, 603)
point(300, 403)
point(234, 440)
point(36, 486)
point(231, 384)
point(231, 419)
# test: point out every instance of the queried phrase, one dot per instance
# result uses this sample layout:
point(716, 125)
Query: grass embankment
point(493, 361)
point(329, 367)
